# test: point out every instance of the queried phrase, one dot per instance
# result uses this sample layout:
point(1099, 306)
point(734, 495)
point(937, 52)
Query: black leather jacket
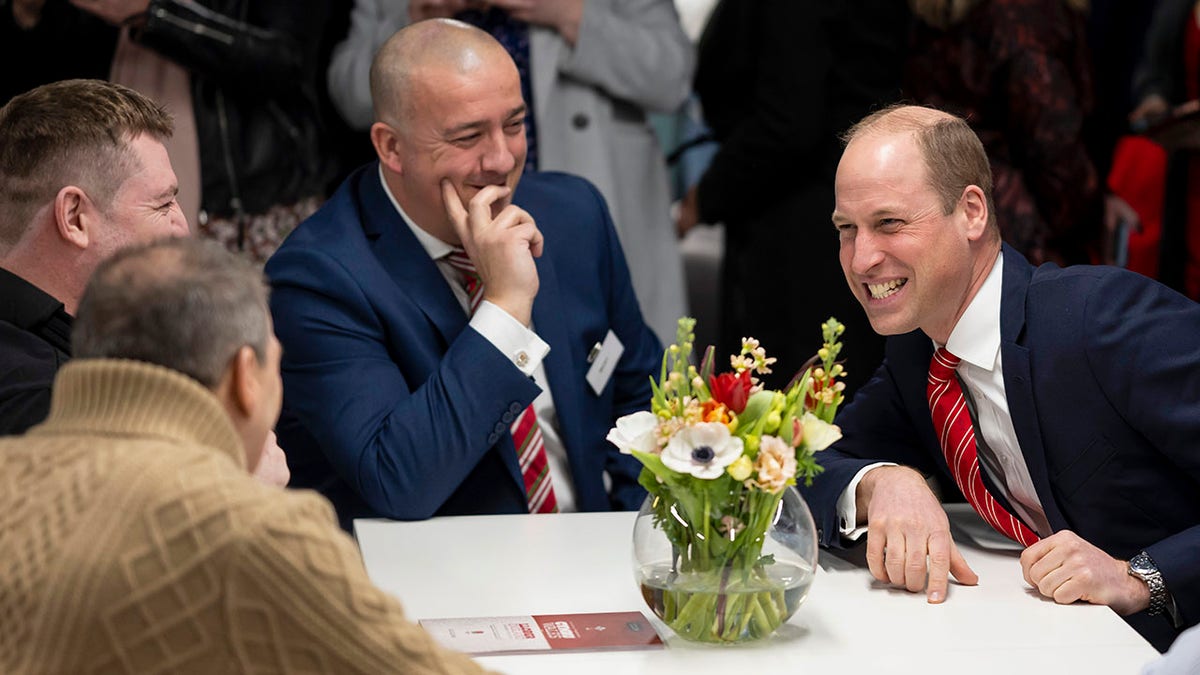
point(253, 66)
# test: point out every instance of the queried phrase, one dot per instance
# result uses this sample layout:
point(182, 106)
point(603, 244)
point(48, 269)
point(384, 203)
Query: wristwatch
point(1142, 566)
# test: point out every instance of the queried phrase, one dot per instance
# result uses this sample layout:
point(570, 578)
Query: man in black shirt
point(83, 173)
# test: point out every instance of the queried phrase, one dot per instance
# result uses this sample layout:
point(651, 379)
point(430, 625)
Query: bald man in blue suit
point(398, 399)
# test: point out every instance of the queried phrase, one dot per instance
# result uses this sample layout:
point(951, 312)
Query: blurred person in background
point(239, 77)
point(1020, 73)
point(778, 80)
point(1167, 84)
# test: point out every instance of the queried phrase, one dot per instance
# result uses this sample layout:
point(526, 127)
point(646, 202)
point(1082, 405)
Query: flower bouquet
point(719, 456)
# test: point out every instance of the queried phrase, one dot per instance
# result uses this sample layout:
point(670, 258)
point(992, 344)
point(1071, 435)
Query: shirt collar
point(23, 304)
point(976, 337)
point(436, 248)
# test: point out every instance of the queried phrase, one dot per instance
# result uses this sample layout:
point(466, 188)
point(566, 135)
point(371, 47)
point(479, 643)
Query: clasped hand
point(1067, 568)
point(501, 246)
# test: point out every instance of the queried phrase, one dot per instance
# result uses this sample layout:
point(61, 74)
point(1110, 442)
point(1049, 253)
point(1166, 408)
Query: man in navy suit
point(1080, 391)
point(432, 301)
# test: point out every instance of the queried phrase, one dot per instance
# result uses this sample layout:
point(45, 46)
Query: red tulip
point(731, 390)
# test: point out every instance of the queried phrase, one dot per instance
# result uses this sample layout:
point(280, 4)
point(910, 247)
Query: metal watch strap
point(1143, 567)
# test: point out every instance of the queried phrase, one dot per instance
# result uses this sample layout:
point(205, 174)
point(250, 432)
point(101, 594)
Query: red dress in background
point(1139, 176)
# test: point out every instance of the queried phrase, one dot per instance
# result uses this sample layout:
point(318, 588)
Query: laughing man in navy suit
point(1082, 387)
point(406, 374)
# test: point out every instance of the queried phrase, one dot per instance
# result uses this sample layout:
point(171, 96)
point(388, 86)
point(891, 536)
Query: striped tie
point(526, 433)
point(956, 435)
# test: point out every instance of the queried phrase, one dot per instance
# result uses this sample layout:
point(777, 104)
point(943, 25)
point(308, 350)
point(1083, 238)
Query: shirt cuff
point(521, 345)
point(847, 504)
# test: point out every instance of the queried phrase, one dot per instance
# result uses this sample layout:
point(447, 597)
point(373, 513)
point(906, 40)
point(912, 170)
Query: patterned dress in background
point(1018, 70)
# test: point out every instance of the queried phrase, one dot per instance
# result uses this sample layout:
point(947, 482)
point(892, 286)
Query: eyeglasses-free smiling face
point(468, 126)
point(144, 207)
point(909, 264)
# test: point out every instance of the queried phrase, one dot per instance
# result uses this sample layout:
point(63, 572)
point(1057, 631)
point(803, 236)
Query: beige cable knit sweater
point(132, 540)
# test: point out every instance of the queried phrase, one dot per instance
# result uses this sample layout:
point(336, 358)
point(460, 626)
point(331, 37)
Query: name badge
point(604, 359)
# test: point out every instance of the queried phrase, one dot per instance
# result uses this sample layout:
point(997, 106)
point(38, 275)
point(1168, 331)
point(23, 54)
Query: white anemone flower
point(635, 432)
point(703, 450)
point(819, 434)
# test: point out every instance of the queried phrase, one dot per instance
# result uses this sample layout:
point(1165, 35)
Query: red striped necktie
point(956, 435)
point(526, 433)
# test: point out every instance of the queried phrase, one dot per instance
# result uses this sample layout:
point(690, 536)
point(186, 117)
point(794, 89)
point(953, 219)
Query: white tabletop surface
point(539, 564)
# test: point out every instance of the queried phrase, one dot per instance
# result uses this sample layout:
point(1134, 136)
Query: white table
point(539, 564)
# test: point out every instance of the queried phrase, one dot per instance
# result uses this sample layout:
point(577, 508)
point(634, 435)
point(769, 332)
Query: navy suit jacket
point(395, 407)
point(1102, 376)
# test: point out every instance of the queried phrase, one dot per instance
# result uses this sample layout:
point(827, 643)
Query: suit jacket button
point(580, 121)
point(507, 417)
point(500, 428)
point(492, 438)
point(515, 407)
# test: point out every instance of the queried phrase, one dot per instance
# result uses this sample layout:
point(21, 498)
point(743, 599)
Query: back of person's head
point(72, 132)
point(954, 156)
point(185, 304)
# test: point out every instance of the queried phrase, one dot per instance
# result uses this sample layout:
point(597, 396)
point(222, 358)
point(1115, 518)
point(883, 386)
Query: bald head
point(953, 155)
point(414, 55)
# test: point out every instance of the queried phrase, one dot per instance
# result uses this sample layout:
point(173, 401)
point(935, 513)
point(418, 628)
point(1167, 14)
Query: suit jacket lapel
point(1018, 382)
point(405, 259)
point(560, 363)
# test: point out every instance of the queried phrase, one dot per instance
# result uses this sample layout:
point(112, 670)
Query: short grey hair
point(185, 304)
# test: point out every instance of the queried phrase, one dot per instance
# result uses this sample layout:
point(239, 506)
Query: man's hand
point(563, 16)
point(419, 10)
point(1152, 108)
point(1067, 568)
point(908, 534)
point(27, 13)
point(688, 215)
point(113, 11)
point(501, 247)
point(272, 466)
point(1117, 212)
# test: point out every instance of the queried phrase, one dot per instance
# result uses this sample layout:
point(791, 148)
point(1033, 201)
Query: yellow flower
point(740, 469)
point(773, 421)
point(714, 412)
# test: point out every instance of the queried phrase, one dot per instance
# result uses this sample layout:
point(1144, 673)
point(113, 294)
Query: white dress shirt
point(522, 346)
point(976, 340)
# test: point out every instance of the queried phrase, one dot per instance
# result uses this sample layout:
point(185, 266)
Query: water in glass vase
point(725, 605)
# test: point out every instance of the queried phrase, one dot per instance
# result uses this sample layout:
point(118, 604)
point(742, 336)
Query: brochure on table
point(545, 632)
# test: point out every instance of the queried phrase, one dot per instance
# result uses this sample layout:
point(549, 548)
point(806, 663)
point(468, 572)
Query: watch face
point(1141, 565)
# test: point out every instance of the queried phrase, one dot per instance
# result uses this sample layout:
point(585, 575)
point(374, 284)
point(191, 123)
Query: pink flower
point(776, 465)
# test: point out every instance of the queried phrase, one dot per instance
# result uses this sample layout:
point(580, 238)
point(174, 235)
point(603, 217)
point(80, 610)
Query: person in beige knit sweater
point(135, 541)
